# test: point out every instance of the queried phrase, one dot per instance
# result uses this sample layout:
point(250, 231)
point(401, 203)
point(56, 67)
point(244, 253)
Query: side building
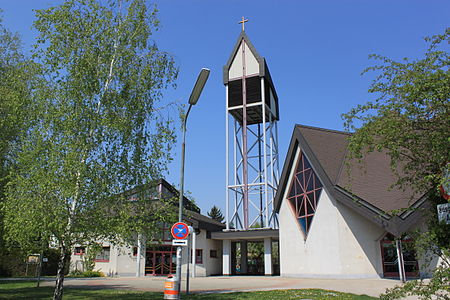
point(158, 256)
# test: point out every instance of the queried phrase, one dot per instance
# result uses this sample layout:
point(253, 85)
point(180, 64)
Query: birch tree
point(17, 74)
point(98, 129)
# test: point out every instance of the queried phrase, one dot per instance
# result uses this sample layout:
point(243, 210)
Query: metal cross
point(243, 23)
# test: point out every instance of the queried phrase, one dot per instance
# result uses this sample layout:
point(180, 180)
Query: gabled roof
point(203, 222)
point(263, 68)
point(366, 187)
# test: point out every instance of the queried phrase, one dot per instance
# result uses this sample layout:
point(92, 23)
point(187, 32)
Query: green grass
point(28, 290)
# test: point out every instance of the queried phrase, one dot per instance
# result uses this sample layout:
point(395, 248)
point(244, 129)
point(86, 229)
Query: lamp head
point(198, 87)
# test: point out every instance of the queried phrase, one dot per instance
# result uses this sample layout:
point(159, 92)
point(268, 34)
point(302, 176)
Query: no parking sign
point(180, 231)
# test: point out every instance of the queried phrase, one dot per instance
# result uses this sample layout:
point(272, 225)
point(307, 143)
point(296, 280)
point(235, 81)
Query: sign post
point(180, 232)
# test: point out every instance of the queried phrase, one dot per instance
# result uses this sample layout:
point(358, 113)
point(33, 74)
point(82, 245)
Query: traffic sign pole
point(180, 231)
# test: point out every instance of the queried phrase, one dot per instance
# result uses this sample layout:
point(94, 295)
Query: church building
point(323, 215)
point(334, 212)
point(329, 215)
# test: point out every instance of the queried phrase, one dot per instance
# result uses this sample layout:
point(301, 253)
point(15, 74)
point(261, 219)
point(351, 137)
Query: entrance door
point(390, 259)
point(160, 261)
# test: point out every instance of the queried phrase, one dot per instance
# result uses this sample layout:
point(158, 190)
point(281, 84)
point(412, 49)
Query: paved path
point(371, 287)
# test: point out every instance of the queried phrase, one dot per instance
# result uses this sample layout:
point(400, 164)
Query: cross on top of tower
point(243, 23)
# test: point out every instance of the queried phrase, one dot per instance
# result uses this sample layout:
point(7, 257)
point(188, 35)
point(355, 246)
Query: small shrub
point(78, 273)
point(93, 274)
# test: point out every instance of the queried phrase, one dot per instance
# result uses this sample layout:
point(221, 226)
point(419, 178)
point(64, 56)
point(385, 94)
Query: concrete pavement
point(214, 284)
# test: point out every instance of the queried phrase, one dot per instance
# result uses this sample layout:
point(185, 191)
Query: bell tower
point(252, 165)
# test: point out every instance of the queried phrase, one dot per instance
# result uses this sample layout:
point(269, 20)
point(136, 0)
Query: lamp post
point(195, 94)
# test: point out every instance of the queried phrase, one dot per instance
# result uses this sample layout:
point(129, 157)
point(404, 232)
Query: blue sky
point(315, 50)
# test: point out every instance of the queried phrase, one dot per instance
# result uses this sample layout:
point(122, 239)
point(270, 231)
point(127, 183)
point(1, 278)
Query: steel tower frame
point(252, 166)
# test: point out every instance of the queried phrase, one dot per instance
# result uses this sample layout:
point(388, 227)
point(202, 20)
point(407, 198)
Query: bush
point(77, 273)
point(93, 274)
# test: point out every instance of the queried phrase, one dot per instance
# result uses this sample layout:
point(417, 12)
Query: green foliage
point(410, 116)
point(216, 214)
point(410, 120)
point(97, 128)
point(89, 258)
point(438, 287)
point(91, 273)
point(18, 74)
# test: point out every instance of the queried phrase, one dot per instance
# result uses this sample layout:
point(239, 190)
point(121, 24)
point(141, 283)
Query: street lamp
point(195, 94)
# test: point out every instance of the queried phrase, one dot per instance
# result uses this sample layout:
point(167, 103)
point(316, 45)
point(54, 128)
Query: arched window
point(304, 193)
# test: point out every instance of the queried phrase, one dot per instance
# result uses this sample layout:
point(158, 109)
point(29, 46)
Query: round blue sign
point(180, 231)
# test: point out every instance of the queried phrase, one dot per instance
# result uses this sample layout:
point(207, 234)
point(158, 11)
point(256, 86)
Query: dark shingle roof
point(371, 179)
point(329, 147)
point(366, 186)
point(205, 222)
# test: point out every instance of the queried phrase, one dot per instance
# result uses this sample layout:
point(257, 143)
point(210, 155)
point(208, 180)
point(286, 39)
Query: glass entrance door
point(160, 261)
point(390, 259)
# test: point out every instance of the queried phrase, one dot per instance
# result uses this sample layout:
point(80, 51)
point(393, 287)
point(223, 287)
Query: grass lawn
point(28, 290)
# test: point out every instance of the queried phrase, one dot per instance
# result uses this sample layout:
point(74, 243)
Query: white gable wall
point(340, 243)
point(360, 249)
point(251, 64)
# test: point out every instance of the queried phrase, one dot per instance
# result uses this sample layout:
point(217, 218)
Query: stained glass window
point(304, 193)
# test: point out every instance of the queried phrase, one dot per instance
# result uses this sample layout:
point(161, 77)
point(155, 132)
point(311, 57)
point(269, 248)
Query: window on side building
point(103, 255)
point(79, 251)
point(198, 256)
point(213, 253)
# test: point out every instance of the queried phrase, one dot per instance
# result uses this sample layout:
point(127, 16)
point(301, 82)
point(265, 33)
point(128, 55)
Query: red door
point(390, 260)
point(160, 261)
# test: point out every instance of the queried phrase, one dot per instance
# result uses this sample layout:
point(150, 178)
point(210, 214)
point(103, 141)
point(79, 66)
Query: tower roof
point(263, 68)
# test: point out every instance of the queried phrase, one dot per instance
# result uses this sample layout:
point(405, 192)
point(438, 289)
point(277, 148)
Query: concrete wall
point(210, 266)
point(123, 263)
point(340, 243)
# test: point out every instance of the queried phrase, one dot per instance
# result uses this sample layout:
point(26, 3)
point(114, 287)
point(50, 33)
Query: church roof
point(366, 186)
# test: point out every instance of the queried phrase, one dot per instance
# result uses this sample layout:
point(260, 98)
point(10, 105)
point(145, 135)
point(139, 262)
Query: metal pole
point(39, 268)
point(193, 254)
point(138, 256)
point(263, 108)
point(227, 208)
point(188, 263)
point(180, 203)
point(401, 265)
point(244, 140)
point(261, 220)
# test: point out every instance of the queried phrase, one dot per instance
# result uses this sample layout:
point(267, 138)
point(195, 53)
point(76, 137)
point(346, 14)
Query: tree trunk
point(58, 293)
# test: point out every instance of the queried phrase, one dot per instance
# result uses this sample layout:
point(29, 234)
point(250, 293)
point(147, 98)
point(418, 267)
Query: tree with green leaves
point(17, 75)
point(216, 214)
point(98, 129)
point(410, 120)
point(410, 116)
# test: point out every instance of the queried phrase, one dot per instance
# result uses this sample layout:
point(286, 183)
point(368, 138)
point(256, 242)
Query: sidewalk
point(214, 284)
